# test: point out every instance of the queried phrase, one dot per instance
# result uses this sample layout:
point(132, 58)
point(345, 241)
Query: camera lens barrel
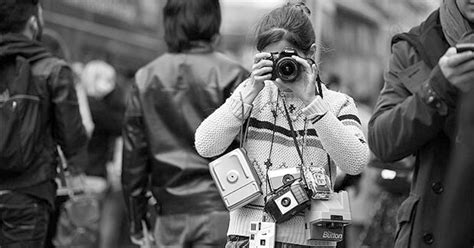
point(287, 69)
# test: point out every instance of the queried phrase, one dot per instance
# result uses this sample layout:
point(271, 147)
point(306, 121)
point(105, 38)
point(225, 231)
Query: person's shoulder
point(227, 60)
point(48, 65)
point(403, 55)
point(162, 59)
point(161, 62)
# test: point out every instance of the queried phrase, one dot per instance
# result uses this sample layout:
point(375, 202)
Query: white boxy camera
point(236, 179)
point(280, 177)
point(325, 219)
point(262, 234)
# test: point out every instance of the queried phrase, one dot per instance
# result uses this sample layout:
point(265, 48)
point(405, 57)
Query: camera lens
point(287, 178)
point(287, 69)
point(285, 202)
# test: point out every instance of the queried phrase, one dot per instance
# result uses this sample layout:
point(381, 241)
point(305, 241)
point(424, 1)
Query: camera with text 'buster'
point(285, 67)
point(325, 219)
point(236, 179)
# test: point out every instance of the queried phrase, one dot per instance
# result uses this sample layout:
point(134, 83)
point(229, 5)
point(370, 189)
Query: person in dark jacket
point(456, 218)
point(171, 96)
point(48, 116)
point(416, 111)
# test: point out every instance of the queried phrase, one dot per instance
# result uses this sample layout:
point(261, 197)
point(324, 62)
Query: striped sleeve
point(342, 137)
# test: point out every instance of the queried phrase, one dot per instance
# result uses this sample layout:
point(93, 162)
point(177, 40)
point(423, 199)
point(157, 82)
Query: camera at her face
point(285, 67)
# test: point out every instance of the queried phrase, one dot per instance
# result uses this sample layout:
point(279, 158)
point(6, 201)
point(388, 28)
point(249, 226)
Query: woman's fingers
point(262, 78)
point(260, 56)
point(262, 71)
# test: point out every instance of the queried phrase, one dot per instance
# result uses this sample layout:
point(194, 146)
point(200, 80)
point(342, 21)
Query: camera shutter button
point(232, 176)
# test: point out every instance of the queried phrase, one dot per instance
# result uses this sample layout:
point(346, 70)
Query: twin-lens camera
point(318, 182)
point(236, 179)
point(284, 66)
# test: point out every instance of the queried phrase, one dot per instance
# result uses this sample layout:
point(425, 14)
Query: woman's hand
point(304, 86)
point(261, 72)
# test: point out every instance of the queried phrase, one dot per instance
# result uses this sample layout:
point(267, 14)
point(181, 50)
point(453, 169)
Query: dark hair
point(15, 14)
point(186, 21)
point(291, 23)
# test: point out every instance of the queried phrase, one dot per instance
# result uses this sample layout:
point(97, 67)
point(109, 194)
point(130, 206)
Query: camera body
point(284, 66)
point(318, 182)
point(236, 179)
point(262, 234)
point(287, 201)
point(281, 177)
point(325, 219)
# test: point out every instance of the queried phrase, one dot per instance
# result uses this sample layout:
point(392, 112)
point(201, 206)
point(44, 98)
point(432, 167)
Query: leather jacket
point(57, 120)
point(171, 96)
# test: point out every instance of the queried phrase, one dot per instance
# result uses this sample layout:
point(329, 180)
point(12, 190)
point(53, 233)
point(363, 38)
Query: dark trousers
point(23, 221)
point(192, 230)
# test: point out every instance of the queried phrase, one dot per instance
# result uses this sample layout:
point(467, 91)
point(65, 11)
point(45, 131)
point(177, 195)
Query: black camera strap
point(320, 93)
point(244, 127)
point(300, 154)
point(292, 131)
point(268, 163)
point(318, 85)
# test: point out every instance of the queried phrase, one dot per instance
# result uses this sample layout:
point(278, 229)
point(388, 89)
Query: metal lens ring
point(285, 202)
point(288, 178)
point(287, 69)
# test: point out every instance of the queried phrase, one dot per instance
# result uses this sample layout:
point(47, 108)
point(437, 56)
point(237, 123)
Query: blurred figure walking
point(170, 98)
point(38, 111)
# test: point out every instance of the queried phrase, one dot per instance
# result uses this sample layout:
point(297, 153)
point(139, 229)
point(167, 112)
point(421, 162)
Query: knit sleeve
point(218, 130)
point(342, 137)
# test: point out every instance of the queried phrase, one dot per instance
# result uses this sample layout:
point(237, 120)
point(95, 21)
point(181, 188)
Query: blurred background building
point(354, 34)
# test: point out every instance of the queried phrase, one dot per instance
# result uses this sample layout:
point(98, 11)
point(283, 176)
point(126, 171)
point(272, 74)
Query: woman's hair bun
point(301, 5)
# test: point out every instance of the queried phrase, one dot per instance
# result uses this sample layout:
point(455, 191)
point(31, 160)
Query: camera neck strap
point(287, 114)
point(244, 126)
point(268, 163)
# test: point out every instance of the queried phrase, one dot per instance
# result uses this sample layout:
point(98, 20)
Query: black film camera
point(287, 201)
point(284, 66)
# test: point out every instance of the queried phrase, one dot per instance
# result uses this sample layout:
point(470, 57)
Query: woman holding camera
point(284, 108)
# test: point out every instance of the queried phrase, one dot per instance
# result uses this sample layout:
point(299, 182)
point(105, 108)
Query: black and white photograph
point(236, 123)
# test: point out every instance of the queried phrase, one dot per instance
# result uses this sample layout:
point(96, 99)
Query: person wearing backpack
point(38, 112)
point(416, 113)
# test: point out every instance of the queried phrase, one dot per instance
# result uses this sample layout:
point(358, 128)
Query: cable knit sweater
point(338, 133)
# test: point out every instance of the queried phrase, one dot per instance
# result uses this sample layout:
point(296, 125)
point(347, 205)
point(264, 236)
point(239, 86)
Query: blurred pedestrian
point(106, 97)
point(455, 217)
point(170, 98)
point(38, 111)
point(290, 124)
point(415, 113)
point(56, 45)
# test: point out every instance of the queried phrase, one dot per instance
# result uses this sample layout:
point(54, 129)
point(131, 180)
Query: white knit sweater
point(338, 134)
